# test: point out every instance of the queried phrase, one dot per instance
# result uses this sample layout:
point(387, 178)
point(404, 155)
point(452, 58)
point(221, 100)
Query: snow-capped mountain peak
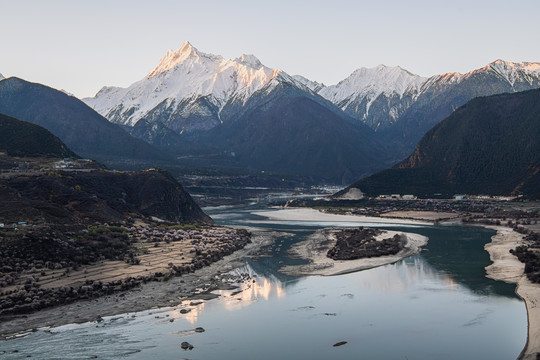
point(507, 71)
point(182, 79)
point(523, 66)
point(365, 86)
point(178, 57)
point(513, 72)
point(2, 77)
point(373, 82)
point(249, 60)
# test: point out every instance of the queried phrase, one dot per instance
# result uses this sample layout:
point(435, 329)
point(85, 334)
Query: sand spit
point(506, 267)
point(316, 247)
point(308, 214)
point(197, 285)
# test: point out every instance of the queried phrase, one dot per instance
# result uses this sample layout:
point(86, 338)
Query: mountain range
point(244, 114)
point(199, 110)
point(191, 93)
point(488, 146)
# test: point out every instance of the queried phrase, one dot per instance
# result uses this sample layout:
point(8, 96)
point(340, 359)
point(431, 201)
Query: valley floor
point(198, 286)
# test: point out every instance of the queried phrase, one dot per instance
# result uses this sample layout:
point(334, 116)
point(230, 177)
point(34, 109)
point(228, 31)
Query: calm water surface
point(435, 305)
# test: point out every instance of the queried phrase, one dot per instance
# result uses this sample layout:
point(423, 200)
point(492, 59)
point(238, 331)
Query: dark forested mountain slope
point(488, 146)
point(21, 138)
point(99, 195)
point(442, 94)
point(79, 127)
point(296, 135)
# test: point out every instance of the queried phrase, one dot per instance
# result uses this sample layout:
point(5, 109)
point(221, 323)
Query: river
point(434, 305)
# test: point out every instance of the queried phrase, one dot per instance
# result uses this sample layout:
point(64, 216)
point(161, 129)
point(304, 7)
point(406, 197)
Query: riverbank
point(197, 285)
point(506, 267)
point(315, 248)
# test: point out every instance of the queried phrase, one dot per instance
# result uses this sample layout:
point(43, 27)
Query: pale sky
point(80, 46)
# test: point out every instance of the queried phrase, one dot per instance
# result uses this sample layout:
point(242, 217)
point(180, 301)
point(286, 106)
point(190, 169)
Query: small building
point(409, 197)
point(460, 197)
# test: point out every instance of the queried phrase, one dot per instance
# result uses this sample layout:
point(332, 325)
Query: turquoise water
point(435, 305)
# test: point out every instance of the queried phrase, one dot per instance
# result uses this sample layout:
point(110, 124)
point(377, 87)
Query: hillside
point(79, 127)
point(488, 146)
point(440, 95)
point(78, 197)
point(21, 138)
point(295, 135)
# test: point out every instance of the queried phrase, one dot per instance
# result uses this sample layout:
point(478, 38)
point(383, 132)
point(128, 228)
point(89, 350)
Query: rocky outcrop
point(362, 243)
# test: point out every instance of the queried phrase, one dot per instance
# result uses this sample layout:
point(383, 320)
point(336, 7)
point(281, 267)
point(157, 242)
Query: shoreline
point(317, 245)
point(192, 286)
point(506, 267)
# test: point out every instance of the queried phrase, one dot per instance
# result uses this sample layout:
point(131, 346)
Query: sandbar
point(506, 267)
point(317, 245)
point(308, 214)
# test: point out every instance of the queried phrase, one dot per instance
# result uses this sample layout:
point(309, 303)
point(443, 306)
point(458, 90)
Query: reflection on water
point(435, 305)
point(194, 311)
point(459, 252)
point(258, 287)
point(404, 275)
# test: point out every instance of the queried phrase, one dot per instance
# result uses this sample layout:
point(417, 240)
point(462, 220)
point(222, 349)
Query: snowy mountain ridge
point(191, 91)
point(181, 78)
point(311, 85)
point(380, 96)
point(507, 71)
point(356, 94)
point(373, 82)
